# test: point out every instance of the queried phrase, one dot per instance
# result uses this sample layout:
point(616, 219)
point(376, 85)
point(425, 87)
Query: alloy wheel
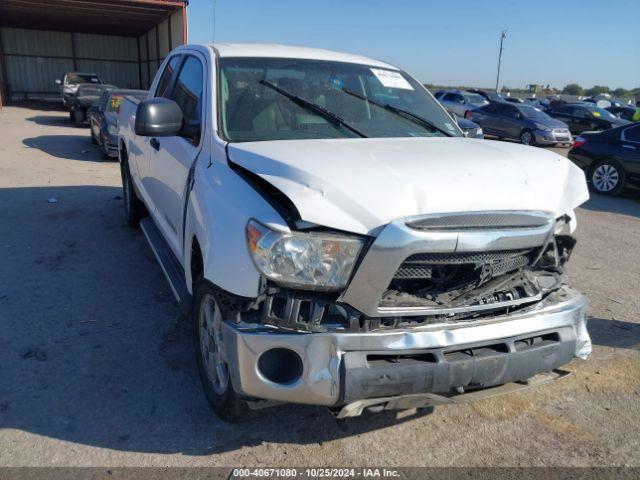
point(210, 333)
point(605, 178)
point(526, 138)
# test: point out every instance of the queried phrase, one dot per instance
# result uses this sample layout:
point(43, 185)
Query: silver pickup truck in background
point(337, 241)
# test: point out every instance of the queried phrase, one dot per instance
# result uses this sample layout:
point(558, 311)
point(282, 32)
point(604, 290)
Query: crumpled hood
point(357, 185)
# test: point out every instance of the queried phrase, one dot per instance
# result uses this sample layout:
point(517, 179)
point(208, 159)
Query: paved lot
point(96, 366)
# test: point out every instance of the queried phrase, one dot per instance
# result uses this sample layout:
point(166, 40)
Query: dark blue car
point(521, 122)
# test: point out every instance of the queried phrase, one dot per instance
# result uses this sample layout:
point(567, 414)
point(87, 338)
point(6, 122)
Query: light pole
point(503, 35)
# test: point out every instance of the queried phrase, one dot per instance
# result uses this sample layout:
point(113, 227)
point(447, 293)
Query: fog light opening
point(280, 365)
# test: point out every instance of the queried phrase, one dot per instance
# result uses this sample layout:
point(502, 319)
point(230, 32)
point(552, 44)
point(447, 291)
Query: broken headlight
point(305, 260)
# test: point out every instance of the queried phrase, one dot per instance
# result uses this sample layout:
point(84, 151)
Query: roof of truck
point(286, 51)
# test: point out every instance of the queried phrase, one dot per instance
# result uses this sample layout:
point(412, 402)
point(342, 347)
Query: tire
point(607, 177)
point(527, 137)
point(214, 373)
point(133, 207)
point(78, 117)
point(105, 153)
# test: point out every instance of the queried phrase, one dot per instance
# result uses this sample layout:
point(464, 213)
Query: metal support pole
point(503, 35)
point(3, 75)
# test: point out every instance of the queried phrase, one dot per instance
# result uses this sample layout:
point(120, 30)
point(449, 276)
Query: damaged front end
point(438, 305)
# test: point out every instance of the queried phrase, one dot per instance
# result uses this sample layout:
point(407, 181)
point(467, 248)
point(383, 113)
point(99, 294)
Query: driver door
point(171, 158)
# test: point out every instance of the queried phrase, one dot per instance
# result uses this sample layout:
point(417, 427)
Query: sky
point(451, 42)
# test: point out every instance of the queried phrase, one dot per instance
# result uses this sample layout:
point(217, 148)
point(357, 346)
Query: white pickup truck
point(337, 240)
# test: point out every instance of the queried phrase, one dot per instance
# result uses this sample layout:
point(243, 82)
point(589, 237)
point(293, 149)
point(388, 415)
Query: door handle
point(155, 144)
point(629, 146)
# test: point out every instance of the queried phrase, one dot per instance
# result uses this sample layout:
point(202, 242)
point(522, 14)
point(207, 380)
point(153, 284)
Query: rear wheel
point(607, 177)
point(210, 355)
point(527, 137)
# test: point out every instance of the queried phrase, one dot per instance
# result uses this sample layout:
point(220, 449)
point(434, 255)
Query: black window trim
point(623, 136)
point(172, 85)
point(180, 57)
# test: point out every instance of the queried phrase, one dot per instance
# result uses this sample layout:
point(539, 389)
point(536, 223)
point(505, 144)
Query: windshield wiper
point(321, 111)
point(399, 111)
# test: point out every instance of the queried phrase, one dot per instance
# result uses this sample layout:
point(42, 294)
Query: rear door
point(454, 102)
point(631, 153)
point(171, 158)
point(584, 120)
point(565, 114)
point(486, 117)
point(511, 121)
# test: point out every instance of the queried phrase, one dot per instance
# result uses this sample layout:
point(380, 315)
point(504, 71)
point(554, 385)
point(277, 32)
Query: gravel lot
point(97, 369)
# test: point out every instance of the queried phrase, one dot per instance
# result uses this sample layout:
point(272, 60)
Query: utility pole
point(503, 35)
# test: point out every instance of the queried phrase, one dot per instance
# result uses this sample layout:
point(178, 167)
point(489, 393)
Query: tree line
point(576, 89)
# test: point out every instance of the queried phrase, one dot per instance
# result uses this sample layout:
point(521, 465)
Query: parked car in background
point(489, 95)
point(86, 95)
point(438, 273)
point(469, 128)
point(585, 116)
point(622, 111)
point(541, 103)
point(605, 102)
point(70, 82)
point(460, 102)
point(103, 119)
point(521, 122)
point(611, 158)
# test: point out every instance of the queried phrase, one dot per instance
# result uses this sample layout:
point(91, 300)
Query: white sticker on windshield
point(391, 79)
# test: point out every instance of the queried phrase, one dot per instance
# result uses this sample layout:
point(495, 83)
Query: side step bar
point(173, 271)
point(421, 400)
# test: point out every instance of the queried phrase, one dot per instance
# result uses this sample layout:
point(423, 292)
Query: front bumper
point(110, 145)
point(552, 137)
point(342, 368)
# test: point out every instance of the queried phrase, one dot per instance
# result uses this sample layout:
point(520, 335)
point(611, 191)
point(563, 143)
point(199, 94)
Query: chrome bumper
point(326, 374)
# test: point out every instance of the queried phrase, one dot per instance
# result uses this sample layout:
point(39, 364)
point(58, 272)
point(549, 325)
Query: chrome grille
point(424, 265)
point(482, 221)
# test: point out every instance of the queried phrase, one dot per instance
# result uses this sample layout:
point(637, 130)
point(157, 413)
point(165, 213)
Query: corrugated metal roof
point(116, 17)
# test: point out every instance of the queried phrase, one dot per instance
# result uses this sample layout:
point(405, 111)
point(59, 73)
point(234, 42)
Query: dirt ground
point(97, 369)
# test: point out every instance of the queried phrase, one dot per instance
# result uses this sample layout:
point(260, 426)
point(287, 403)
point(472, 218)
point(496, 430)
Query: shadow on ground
point(92, 348)
point(53, 120)
point(626, 204)
point(70, 147)
point(614, 333)
point(41, 106)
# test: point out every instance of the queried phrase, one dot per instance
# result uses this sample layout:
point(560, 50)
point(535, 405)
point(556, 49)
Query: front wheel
point(607, 177)
point(210, 355)
point(133, 207)
point(527, 137)
point(78, 117)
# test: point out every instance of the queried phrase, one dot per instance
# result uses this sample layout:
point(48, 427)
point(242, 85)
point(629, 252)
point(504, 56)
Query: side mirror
point(58, 81)
point(158, 117)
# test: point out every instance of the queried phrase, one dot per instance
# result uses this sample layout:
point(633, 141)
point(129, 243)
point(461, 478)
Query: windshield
point(532, 112)
point(475, 99)
point(496, 97)
point(600, 112)
point(76, 78)
point(286, 99)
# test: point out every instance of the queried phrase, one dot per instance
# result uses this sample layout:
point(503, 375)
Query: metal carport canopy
point(112, 17)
